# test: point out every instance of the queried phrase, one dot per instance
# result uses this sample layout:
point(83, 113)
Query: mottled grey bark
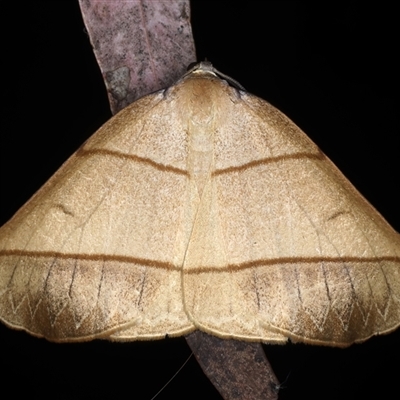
point(140, 45)
point(239, 370)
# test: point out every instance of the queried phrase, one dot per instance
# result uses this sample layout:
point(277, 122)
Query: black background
point(330, 67)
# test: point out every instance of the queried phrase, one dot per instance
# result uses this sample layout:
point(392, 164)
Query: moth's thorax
point(201, 96)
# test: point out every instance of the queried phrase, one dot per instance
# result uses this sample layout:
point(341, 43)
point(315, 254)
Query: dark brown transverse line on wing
point(137, 159)
point(270, 160)
point(196, 270)
point(89, 257)
point(169, 168)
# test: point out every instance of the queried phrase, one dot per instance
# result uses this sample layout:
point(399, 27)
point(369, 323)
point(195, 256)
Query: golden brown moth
point(203, 207)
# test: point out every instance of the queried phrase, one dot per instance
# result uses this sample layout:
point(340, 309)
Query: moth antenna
point(277, 387)
point(173, 376)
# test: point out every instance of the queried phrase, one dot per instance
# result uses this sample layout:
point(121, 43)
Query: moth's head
point(205, 68)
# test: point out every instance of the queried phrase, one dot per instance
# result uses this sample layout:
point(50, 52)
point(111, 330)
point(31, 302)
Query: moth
point(203, 207)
